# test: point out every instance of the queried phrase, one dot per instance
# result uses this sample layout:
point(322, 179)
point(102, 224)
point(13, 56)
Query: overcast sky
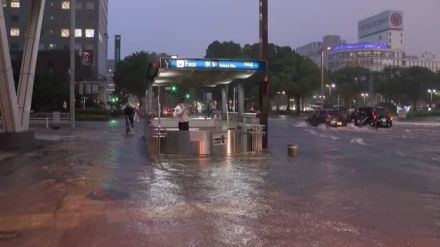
point(187, 27)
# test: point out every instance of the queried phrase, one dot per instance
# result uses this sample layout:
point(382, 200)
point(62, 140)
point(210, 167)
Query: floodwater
point(347, 187)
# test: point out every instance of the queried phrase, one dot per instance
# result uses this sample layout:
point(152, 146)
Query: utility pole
point(264, 83)
point(72, 62)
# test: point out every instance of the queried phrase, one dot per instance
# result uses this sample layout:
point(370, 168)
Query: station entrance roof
point(204, 72)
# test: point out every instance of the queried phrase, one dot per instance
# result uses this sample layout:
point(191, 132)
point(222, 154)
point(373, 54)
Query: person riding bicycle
point(129, 116)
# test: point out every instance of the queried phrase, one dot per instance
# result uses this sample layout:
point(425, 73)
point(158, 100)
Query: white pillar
point(8, 95)
point(224, 99)
point(27, 72)
point(240, 101)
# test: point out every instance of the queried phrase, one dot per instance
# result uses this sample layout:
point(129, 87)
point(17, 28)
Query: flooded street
point(347, 187)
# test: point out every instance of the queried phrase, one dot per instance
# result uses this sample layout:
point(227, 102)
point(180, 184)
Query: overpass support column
point(8, 96)
point(30, 52)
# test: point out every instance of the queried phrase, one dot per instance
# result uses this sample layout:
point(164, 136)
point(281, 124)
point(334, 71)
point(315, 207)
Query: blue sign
point(215, 64)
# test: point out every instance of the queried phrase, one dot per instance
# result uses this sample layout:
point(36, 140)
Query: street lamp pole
point(330, 86)
point(322, 68)
point(72, 62)
point(364, 95)
point(431, 91)
point(264, 84)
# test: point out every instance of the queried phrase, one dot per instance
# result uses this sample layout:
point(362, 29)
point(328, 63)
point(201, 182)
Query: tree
point(415, 81)
point(350, 82)
point(224, 50)
point(130, 74)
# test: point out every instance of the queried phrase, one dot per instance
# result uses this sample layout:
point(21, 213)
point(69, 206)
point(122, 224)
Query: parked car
point(333, 118)
point(373, 116)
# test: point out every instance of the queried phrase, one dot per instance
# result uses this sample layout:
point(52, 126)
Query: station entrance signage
point(215, 64)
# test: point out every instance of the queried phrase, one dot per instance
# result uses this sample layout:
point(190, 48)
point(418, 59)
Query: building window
point(90, 33)
point(5, 3)
point(79, 5)
point(15, 18)
point(78, 33)
point(15, 32)
point(65, 5)
point(65, 32)
point(90, 5)
point(15, 3)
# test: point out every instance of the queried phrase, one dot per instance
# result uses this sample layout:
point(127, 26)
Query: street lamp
point(431, 91)
point(322, 68)
point(330, 86)
point(364, 95)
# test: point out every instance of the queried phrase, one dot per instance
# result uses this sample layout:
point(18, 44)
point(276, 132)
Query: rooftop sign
point(388, 20)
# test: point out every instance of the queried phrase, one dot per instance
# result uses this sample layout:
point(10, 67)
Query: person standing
point(181, 113)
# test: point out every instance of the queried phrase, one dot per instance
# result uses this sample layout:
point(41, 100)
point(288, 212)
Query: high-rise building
point(383, 28)
point(91, 29)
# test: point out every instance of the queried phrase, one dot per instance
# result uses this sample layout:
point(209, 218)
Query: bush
point(92, 115)
point(421, 114)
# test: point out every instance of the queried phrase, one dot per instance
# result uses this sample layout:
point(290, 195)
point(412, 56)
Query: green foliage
point(130, 74)
point(223, 50)
point(350, 82)
point(92, 115)
point(407, 85)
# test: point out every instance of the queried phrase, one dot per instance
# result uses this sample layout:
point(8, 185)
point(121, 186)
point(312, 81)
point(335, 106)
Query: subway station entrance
point(220, 132)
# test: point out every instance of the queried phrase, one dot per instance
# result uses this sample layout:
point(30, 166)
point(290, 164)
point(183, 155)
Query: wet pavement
point(348, 187)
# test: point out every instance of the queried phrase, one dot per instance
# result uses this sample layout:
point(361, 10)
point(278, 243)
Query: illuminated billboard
point(388, 20)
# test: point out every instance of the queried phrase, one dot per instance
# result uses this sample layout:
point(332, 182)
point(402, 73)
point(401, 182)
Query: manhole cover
point(8, 235)
point(107, 195)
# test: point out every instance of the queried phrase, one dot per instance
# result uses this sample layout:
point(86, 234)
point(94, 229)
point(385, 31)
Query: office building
point(91, 29)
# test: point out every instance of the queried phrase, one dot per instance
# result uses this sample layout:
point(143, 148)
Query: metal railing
point(257, 134)
point(47, 121)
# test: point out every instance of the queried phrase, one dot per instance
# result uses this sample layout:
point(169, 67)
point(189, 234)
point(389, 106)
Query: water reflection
point(225, 195)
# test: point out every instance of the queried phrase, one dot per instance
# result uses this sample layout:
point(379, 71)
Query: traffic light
point(187, 96)
point(115, 100)
point(173, 88)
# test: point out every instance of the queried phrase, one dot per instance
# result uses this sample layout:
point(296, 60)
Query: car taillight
point(374, 115)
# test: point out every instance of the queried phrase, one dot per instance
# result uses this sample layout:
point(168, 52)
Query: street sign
point(219, 139)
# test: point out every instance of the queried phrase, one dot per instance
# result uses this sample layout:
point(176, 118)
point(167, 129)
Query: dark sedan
point(333, 118)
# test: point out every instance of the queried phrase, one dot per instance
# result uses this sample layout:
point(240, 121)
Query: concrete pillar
point(240, 88)
point(149, 97)
point(8, 95)
point(30, 52)
point(224, 106)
